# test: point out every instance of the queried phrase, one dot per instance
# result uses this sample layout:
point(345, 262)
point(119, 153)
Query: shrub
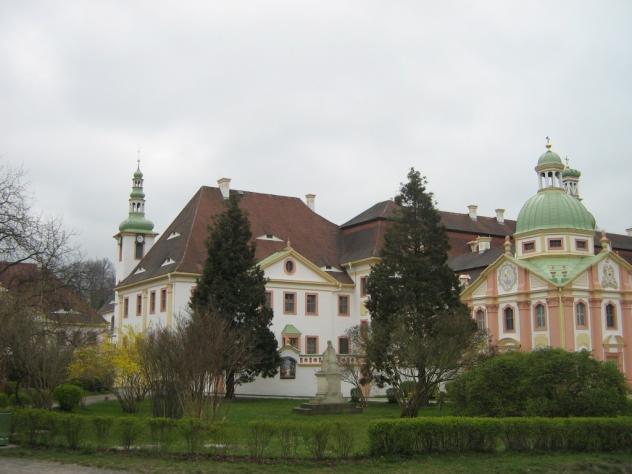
point(193, 431)
point(130, 430)
point(161, 431)
point(260, 435)
point(72, 426)
point(390, 395)
point(10, 388)
point(20, 399)
point(68, 396)
point(316, 438)
point(343, 437)
point(102, 428)
point(27, 425)
point(289, 436)
point(550, 382)
point(459, 435)
point(4, 401)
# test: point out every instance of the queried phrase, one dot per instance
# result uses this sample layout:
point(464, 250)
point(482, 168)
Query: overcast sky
point(337, 98)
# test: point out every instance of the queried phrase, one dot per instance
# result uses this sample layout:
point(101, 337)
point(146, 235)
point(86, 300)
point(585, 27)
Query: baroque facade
point(317, 272)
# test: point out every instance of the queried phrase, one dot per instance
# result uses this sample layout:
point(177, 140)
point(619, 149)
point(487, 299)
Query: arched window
point(508, 316)
point(580, 315)
point(539, 317)
point(611, 316)
point(480, 319)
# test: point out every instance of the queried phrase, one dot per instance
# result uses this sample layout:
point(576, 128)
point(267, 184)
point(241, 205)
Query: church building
point(544, 280)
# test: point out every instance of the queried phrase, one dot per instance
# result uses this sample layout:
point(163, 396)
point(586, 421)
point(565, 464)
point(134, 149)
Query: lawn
point(235, 415)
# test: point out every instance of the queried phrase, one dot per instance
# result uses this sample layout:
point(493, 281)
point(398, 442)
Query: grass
point(235, 415)
point(471, 464)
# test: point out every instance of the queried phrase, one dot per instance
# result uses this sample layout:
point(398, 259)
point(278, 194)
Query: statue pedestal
point(329, 399)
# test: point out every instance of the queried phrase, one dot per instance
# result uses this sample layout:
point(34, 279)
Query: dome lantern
point(549, 168)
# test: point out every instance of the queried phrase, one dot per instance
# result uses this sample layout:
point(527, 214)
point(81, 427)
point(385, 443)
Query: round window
point(289, 266)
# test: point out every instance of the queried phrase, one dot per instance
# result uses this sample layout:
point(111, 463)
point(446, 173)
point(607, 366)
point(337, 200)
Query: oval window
point(289, 266)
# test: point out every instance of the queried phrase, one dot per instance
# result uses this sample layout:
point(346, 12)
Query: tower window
point(581, 244)
point(138, 254)
point(126, 307)
point(555, 244)
point(139, 305)
point(163, 300)
point(152, 302)
point(363, 286)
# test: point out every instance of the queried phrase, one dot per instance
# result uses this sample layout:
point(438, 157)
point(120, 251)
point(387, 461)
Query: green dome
point(138, 173)
point(136, 223)
point(554, 209)
point(549, 158)
point(570, 172)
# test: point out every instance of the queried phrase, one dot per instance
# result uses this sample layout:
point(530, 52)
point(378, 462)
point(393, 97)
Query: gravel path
point(28, 466)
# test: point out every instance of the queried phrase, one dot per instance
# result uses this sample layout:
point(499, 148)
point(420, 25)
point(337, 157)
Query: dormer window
point(173, 235)
point(139, 270)
point(168, 261)
point(271, 237)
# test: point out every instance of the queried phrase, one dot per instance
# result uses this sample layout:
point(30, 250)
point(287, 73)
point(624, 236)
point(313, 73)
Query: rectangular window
point(163, 300)
point(555, 244)
point(363, 286)
point(289, 303)
point(343, 305)
point(126, 307)
point(581, 244)
point(152, 302)
point(268, 302)
point(139, 305)
point(311, 304)
point(528, 246)
point(120, 246)
point(343, 345)
point(364, 328)
point(293, 341)
point(311, 345)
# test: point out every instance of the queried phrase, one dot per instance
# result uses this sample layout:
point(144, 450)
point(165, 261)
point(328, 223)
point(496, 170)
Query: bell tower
point(136, 235)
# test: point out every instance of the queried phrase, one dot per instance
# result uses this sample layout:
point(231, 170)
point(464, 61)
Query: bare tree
point(355, 367)
point(93, 279)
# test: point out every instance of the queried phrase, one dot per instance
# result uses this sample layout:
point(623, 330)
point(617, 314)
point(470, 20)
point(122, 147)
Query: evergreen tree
point(420, 329)
point(233, 287)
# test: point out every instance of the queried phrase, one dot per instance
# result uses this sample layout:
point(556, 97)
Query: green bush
point(460, 435)
point(23, 400)
point(28, 424)
point(102, 428)
point(193, 431)
point(261, 433)
point(161, 432)
point(130, 429)
point(316, 438)
point(289, 436)
point(68, 396)
point(550, 383)
point(72, 427)
point(343, 439)
point(10, 388)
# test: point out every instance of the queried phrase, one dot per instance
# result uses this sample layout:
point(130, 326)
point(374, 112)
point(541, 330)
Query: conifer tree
point(232, 286)
point(421, 331)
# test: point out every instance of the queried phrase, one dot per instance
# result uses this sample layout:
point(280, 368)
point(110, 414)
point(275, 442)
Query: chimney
point(310, 200)
point(629, 231)
point(224, 187)
point(500, 216)
point(484, 243)
point(472, 211)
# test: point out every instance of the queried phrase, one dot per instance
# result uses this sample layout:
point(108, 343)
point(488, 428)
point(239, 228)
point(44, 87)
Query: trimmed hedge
point(462, 434)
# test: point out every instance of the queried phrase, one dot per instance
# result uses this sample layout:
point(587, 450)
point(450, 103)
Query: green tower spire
point(136, 221)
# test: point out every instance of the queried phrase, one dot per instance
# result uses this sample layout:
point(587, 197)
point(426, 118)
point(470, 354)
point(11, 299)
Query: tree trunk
point(229, 386)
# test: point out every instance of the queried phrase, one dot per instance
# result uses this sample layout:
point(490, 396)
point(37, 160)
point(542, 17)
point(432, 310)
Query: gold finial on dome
point(548, 142)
